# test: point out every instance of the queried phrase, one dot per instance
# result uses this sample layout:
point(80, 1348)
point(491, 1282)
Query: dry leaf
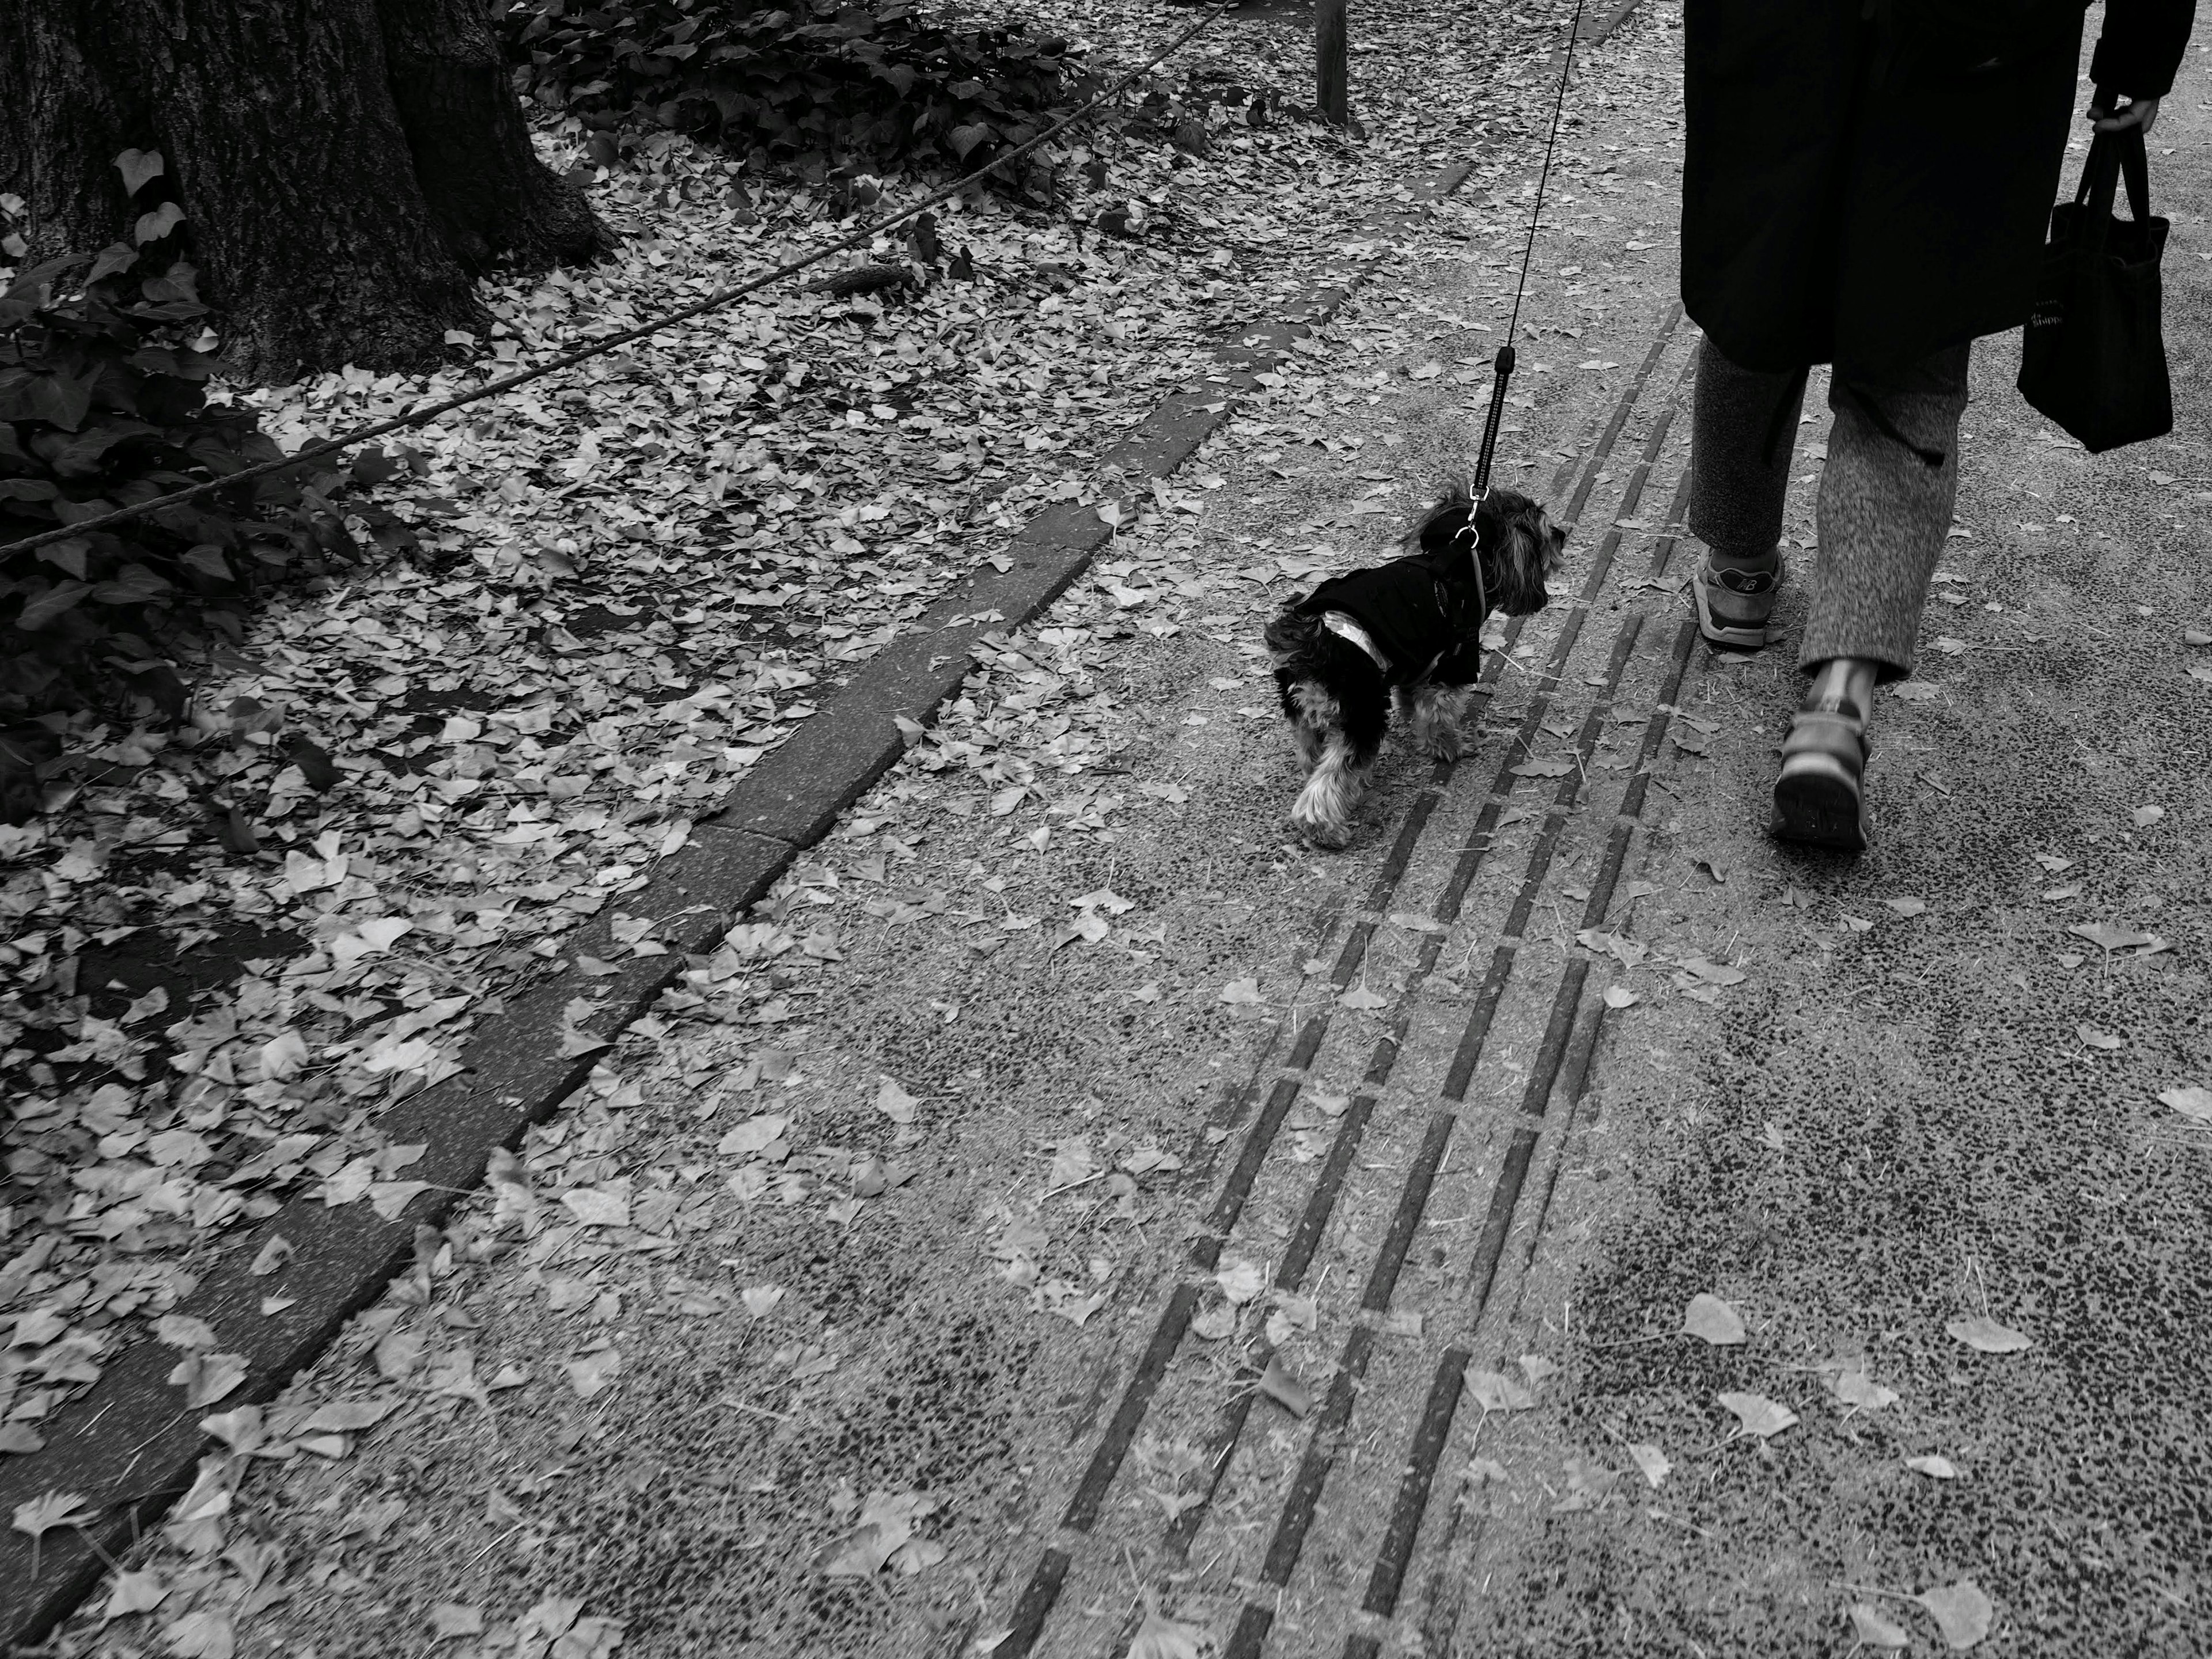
point(1282, 1386)
point(1759, 1416)
point(1494, 1391)
point(1713, 1319)
point(1240, 1281)
point(1907, 907)
point(2191, 1101)
point(1984, 1335)
point(1162, 1637)
point(1962, 1613)
point(1871, 1628)
point(895, 1103)
point(591, 1374)
point(1652, 1461)
point(1858, 1390)
point(1936, 1469)
point(1241, 992)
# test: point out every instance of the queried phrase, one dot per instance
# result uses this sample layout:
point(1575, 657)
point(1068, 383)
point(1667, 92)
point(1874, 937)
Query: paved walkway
point(1074, 1216)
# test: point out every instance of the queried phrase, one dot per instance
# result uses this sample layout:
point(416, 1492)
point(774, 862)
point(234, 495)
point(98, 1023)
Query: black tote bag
point(2093, 359)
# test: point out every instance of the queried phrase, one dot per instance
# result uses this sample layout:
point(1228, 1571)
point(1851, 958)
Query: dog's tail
point(1291, 632)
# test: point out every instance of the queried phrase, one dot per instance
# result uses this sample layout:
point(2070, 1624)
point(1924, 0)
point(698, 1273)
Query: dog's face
point(1519, 545)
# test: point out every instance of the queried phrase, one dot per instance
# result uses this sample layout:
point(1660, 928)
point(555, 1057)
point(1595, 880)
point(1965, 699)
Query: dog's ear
point(1555, 553)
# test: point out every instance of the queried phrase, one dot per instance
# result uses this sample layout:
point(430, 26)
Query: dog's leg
point(1322, 812)
point(1438, 711)
point(1314, 715)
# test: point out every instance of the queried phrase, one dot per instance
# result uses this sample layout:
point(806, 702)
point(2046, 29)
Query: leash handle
point(1503, 372)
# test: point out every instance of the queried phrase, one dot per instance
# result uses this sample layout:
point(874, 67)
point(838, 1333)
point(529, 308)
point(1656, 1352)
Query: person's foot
point(1820, 800)
point(1734, 605)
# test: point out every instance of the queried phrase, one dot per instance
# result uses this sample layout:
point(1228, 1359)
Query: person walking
point(1867, 184)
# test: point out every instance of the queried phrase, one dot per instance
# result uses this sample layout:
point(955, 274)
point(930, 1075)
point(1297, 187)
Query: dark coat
point(1420, 610)
point(1855, 192)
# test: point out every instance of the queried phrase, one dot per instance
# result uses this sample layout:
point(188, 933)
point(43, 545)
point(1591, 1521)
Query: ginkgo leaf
point(1713, 1319)
point(597, 1206)
point(1494, 1391)
point(1162, 1637)
point(207, 1377)
point(1241, 992)
point(1620, 996)
point(2110, 936)
point(1857, 1390)
point(2191, 1101)
point(1935, 1467)
point(895, 1103)
point(1984, 1335)
point(1758, 1415)
point(1240, 1281)
point(1361, 997)
point(1907, 907)
point(130, 1592)
point(1651, 1461)
point(1962, 1613)
point(2094, 1039)
point(589, 1375)
point(1869, 1627)
point(1286, 1387)
point(42, 1514)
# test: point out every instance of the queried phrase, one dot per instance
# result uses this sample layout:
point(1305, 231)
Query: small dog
point(1408, 632)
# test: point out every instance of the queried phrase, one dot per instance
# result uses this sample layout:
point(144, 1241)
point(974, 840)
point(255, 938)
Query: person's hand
point(2131, 113)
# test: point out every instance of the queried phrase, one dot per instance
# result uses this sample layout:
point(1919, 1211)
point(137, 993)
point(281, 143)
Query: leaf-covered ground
point(228, 946)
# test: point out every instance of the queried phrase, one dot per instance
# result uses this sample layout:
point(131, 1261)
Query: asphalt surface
point(1292, 1256)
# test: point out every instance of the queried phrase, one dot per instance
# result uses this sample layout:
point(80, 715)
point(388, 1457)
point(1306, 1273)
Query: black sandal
point(1820, 800)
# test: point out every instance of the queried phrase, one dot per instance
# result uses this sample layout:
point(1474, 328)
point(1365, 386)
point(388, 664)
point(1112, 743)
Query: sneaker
point(1820, 800)
point(1734, 606)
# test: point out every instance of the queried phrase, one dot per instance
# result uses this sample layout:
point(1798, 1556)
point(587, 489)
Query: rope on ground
point(415, 417)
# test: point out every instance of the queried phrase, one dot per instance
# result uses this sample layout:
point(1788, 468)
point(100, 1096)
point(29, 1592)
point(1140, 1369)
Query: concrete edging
point(127, 1448)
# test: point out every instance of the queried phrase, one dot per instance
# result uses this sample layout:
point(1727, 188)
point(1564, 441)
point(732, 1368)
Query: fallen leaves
point(1985, 1335)
point(1935, 1467)
point(1757, 1417)
point(1159, 1637)
point(1962, 1613)
point(885, 1535)
point(1856, 1389)
point(1286, 1387)
point(1711, 1320)
point(2191, 1101)
point(1494, 1391)
point(2110, 937)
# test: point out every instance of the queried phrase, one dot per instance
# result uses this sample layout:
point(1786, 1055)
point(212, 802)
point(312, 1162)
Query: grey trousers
point(1885, 500)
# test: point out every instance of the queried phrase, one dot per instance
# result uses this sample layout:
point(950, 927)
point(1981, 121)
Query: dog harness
point(1339, 623)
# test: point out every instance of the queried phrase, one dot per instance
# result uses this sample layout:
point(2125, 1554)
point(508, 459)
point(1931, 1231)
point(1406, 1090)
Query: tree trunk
point(488, 194)
point(343, 174)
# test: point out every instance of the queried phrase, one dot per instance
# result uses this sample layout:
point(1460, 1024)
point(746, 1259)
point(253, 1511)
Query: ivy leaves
point(100, 404)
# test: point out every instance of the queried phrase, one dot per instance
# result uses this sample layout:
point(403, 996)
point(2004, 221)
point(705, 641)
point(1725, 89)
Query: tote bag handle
point(2112, 156)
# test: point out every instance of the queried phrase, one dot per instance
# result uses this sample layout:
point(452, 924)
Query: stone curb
point(130, 1451)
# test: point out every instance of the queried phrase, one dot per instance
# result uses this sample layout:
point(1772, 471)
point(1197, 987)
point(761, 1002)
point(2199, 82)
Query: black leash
point(1504, 364)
